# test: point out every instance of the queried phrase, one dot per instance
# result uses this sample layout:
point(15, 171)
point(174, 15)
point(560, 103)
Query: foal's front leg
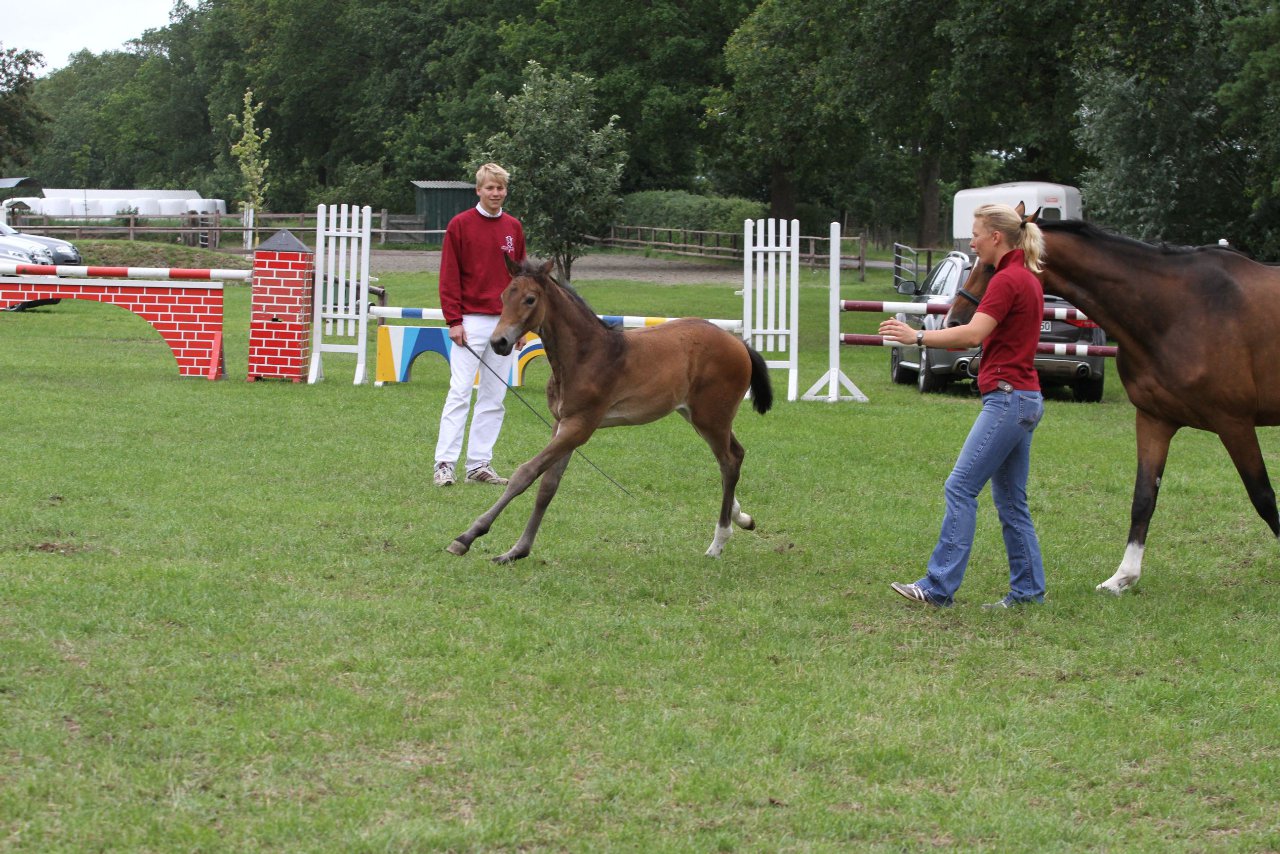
point(546, 491)
point(561, 446)
point(520, 480)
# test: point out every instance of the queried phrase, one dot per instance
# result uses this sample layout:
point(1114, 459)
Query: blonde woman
point(998, 449)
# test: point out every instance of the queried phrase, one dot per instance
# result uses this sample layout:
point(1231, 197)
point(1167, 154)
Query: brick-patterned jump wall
point(188, 315)
point(280, 325)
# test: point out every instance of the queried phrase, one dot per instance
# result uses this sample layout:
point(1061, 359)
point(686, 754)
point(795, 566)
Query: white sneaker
point(485, 474)
point(914, 592)
point(444, 474)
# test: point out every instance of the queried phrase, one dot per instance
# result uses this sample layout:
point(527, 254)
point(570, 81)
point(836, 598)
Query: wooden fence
point(209, 230)
point(212, 231)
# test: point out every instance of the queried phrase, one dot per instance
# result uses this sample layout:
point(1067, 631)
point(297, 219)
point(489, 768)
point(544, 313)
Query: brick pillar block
point(280, 327)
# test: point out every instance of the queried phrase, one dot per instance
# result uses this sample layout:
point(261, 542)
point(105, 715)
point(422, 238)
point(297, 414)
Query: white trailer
point(1056, 201)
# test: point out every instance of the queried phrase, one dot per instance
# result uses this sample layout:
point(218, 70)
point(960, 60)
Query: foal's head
point(524, 303)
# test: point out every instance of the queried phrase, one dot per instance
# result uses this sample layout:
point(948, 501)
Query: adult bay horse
point(1198, 347)
point(605, 377)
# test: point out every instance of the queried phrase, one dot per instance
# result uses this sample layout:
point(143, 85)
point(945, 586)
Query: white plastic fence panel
point(246, 225)
point(771, 294)
point(340, 323)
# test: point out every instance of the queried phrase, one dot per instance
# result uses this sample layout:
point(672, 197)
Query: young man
point(473, 275)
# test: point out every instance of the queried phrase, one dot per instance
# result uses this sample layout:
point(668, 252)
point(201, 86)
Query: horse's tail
point(761, 387)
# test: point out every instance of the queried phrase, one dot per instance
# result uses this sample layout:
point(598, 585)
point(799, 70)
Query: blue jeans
point(998, 450)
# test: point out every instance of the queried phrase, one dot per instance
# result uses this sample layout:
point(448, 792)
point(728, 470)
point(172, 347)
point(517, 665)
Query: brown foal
point(605, 377)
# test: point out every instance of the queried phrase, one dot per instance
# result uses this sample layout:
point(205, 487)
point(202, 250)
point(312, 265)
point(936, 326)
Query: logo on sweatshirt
point(509, 246)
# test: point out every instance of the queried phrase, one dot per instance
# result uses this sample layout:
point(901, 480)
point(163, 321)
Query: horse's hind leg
point(729, 453)
point(742, 520)
point(546, 491)
point(1242, 444)
point(1154, 436)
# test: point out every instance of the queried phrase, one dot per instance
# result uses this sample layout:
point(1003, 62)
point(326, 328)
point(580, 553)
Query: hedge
point(680, 209)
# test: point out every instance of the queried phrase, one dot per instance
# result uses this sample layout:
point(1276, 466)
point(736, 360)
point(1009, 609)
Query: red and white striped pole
point(942, 308)
point(153, 273)
point(1044, 347)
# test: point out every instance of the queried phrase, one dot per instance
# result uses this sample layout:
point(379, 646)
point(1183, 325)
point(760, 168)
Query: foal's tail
point(761, 387)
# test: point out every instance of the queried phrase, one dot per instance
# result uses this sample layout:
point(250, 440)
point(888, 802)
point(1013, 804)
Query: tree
point(434, 69)
point(1168, 167)
point(21, 119)
point(654, 63)
point(1252, 102)
point(247, 152)
point(99, 136)
point(133, 118)
point(1009, 91)
point(564, 175)
point(788, 111)
point(900, 61)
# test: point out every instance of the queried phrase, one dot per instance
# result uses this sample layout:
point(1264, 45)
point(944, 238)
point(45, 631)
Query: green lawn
point(228, 623)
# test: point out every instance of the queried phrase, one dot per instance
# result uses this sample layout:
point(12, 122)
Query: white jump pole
point(834, 378)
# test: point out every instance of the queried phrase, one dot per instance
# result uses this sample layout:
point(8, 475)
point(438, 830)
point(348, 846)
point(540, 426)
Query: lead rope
point(541, 418)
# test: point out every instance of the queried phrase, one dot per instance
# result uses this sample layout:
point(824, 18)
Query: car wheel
point(926, 380)
point(899, 374)
point(1087, 390)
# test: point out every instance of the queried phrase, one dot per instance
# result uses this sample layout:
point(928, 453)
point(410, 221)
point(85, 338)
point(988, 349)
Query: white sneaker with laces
point(485, 474)
point(913, 592)
point(444, 474)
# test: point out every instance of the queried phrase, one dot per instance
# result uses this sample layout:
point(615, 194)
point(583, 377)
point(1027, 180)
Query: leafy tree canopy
point(21, 120)
point(565, 173)
point(872, 111)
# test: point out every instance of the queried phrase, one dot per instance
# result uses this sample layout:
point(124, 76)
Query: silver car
point(57, 251)
point(18, 248)
point(18, 251)
point(932, 369)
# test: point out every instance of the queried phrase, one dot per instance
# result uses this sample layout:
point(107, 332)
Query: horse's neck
point(570, 333)
point(1116, 293)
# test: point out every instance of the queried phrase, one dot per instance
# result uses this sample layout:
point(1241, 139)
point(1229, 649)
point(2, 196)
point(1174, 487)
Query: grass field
point(228, 623)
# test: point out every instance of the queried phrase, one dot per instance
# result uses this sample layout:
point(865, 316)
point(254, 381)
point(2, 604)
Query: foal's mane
point(534, 271)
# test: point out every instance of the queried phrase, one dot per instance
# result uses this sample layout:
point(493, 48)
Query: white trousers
point(486, 421)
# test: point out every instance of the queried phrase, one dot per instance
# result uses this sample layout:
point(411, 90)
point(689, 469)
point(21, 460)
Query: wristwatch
point(920, 338)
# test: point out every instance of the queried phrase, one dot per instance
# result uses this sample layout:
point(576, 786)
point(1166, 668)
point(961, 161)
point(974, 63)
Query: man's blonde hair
point(492, 172)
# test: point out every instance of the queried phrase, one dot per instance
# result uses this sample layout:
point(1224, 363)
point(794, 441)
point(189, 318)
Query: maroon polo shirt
point(1015, 299)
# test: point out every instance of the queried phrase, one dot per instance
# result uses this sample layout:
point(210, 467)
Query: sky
point(59, 28)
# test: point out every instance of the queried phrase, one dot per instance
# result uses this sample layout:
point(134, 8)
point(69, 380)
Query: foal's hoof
point(457, 547)
point(1111, 587)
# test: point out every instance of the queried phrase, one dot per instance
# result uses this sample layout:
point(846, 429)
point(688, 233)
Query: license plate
point(1046, 325)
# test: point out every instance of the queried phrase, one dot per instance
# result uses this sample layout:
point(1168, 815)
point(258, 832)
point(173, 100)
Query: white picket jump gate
point(341, 287)
point(771, 294)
